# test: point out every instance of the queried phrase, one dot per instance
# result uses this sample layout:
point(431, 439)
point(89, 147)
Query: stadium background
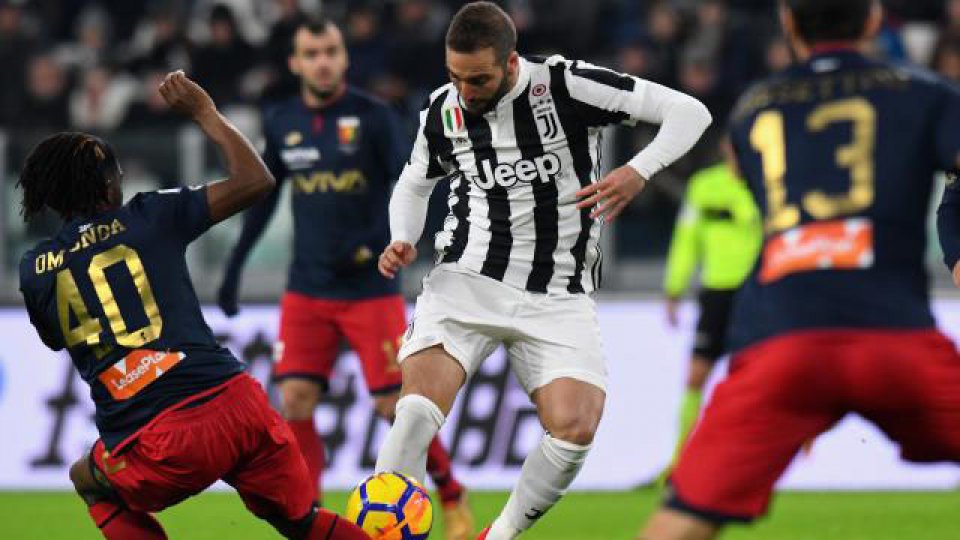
point(95, 65)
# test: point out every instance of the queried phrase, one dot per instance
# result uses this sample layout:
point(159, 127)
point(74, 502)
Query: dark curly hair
point(69, 173)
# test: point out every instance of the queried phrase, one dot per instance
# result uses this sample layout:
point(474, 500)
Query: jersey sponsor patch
point(348, 129)
point(128, 376)
point(453, 124)
point(835, 245)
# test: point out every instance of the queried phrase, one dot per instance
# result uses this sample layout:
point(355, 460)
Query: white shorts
point(546, 336)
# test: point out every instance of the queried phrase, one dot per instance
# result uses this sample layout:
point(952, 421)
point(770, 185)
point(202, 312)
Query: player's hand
point(227, 297)
point(673, 312)
point(612, 194)
point(956, 274)
point(396, 256)
point(185, 96)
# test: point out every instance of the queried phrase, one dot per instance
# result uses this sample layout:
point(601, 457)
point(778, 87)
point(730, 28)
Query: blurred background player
point(719, 229)
point(519, 254)
point(841, 152)
point(174, 410)
point(340, 149)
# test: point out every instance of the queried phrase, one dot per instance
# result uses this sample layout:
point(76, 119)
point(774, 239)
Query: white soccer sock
point(417, 421)
point(547, 473)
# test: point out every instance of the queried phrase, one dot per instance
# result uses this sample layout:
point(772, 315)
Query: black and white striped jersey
point(515, 171)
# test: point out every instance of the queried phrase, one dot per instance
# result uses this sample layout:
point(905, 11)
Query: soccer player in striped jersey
point(339, 149)
point(519, 139)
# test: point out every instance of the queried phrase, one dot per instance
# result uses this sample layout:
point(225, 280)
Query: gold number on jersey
point(88, 329)
point(768, 137)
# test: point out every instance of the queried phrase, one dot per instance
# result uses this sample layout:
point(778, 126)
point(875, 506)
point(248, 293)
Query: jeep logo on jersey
point(544, 167)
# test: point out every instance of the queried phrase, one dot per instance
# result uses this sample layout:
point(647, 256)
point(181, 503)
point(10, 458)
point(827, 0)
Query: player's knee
point(577, 432)
point(575, 428)
point(299, 400)
point(386, 405)
point(86, 486)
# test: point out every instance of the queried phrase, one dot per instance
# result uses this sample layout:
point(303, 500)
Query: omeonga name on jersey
point(515, 172)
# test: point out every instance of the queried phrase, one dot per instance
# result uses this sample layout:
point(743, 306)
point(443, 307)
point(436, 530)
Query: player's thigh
point(925, 420)
point(458, 322)
point(308, 339)
point(558, 338)
point(754, 424)
point(374, 327)
point(271, 478)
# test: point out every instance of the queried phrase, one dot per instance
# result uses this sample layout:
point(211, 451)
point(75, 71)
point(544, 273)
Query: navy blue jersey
point(340, 161)
point(840, 153)
point(115, 292)
point(948, 222)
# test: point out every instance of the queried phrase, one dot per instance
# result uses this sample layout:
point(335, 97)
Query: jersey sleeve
point(606, 97)
point(271, 151)
point(182, 211)
point(426, 166)
point(948, 223)
point(948, 129)
point(50, 337)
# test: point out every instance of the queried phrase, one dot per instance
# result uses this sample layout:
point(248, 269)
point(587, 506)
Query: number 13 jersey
point(114, 291)
point(841, 153)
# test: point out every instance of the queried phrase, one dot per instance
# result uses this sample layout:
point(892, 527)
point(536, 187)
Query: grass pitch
point(580, 516)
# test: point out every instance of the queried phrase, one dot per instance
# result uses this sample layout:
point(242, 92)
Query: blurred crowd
point(95, 64)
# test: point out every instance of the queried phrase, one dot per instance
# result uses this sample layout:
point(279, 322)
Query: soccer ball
point(391, 506)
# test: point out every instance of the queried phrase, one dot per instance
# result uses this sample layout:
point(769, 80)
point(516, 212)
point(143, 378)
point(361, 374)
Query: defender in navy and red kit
point(340, 150)
point(174, 410)
point(840, 152)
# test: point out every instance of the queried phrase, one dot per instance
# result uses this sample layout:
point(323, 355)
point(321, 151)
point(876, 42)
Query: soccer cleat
point(457, 519)
point(483, 533)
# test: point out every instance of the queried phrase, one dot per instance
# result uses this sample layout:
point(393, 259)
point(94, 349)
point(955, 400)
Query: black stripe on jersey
point(460, 211)
point(439, 146)
point(498, 201)
point(546, 218)
point(604, 76)
point(578, 143)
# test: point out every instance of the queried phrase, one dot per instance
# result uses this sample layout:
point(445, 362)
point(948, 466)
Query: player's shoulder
point(709, 179)
point(921, 77)
point(366, 100)
point(438, 96)
point(148, 202)
point(759, 95)
point(277, 109)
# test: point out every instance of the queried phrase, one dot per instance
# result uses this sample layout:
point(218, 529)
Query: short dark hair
point(70, 173)
point(315, 24)
point(479, 25)
point(830, 20)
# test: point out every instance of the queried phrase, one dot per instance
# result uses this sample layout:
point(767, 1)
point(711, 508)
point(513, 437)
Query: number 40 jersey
point(115, 292)
point(841, 152)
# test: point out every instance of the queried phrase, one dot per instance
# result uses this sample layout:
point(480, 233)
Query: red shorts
point(235, 436)
point(789, 389)
point(310, 332)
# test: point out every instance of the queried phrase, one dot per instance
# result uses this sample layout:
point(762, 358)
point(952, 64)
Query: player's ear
point(790, 30)
point(874, 21)
point(513, 62)
point(294, 64)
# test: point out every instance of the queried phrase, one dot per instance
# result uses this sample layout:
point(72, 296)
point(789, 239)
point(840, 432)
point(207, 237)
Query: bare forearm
point(248, 180)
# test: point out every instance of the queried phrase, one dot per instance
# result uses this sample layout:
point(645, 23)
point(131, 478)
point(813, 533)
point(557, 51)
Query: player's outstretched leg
point(570, 411)
point(299, 398)
point(329, 526)
point(457, 516)
point(115, 521)
point(431, 380)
